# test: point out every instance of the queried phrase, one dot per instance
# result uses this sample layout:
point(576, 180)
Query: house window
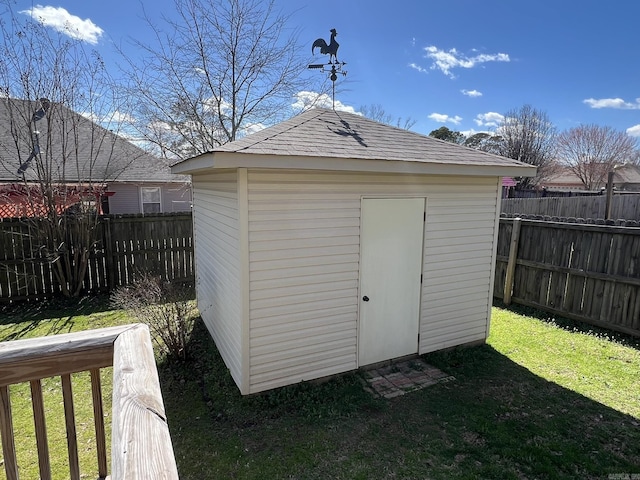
point(150, 199)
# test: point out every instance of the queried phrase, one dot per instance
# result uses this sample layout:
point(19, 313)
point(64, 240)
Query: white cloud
point(306, 100)
point(634, 131)
point(110, 118)
point(62, 21)
point(445, 61)
point(418, 68)
point(489, 119)
point(120, 117)
point(442, 118)
point(612, 103)
point(473, 131)
point(471, 93)
point(252, 128)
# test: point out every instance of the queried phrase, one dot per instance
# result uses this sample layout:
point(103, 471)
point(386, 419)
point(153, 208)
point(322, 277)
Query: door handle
point(365, 299)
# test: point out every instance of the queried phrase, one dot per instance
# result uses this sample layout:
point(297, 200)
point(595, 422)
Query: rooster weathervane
point(334, 66)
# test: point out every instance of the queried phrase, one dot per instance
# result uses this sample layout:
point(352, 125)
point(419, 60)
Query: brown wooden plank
point(547, 247)
point(584, 273)
point(611, 265)
point(521, 274)
point(41, 430)
point(110, 263)
point(137, 250)
point(32, 359)
point(573, 241)
point(582, 263)
point(141, 444)
point(98, 418)
point(565, 243)
point(70, 423)
point(590, 281)
point(635, 315)
point(6, 429)
point(511, 263)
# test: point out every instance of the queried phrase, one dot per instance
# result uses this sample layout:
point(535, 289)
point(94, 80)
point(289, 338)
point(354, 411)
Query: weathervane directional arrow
point(334, 66)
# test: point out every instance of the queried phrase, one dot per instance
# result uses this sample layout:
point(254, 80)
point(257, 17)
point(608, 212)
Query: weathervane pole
point(333, 87)
point(330, 49)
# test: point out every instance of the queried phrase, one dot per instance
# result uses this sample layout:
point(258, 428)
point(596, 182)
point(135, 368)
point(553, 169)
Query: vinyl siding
point(458, 263)
point(304, 250)
point(218, 264)
point(175, 197)
point(126, 198)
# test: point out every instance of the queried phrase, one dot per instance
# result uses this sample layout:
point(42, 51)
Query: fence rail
point(586, 272)
point(625, 206)
point(127, 244)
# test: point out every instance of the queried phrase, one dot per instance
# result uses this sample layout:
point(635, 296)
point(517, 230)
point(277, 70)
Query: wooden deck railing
point(141, 445)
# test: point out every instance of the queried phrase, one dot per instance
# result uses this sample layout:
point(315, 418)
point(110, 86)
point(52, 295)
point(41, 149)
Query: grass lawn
point(543, 399)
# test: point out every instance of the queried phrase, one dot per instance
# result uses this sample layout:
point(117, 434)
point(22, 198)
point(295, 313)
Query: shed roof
point(323, 139)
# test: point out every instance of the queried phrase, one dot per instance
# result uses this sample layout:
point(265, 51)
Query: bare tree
point(527, 135)
point(216, 70)
point(379, 114)
point(591, 151)
point(49, 153)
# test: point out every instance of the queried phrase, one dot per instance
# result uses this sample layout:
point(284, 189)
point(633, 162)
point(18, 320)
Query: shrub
point(167, 308)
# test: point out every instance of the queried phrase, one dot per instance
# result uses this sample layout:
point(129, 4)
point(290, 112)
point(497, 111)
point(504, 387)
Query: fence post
point(511, 264)
point(607, 212)
point(108, 246)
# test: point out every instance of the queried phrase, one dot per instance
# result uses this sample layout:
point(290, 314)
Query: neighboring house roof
point(627, 174)
point(564, 177)
point(329, 140)
point(101, 155)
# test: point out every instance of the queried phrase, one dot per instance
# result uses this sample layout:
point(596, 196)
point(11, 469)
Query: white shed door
point(390, 268)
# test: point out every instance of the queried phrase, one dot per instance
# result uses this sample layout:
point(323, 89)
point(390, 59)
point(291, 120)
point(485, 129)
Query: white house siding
point(175, 197)
point(126, 198)
point(218, 263)
point(458, 264)
point(304, 249)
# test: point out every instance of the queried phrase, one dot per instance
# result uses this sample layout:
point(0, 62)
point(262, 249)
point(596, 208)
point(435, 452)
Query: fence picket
point(128, 244)
point(625, 206)
point(587, 272)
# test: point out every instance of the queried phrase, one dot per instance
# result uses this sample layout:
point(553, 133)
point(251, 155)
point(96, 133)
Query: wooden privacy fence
point(625, 206)
point(585, 272)
point(127, 245)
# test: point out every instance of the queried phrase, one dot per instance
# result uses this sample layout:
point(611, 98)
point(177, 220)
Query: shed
point(330, 242)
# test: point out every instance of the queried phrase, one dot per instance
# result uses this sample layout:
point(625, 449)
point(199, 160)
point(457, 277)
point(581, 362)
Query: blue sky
point(460, 63)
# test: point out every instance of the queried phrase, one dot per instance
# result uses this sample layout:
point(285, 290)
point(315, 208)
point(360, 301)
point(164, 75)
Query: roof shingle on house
point(627, 174)
point(98, 155)
point(324, 133)
point(626, 177)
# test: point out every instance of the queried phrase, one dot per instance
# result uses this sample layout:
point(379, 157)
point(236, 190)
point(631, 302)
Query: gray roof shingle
point(327, 133)
point(98, 156)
